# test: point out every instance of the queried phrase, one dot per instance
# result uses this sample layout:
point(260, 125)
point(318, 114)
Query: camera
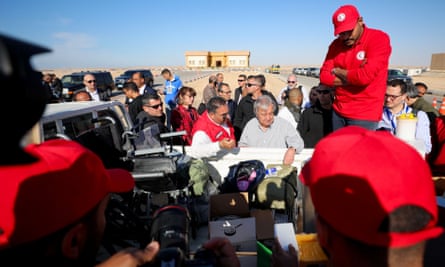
point(171, 228)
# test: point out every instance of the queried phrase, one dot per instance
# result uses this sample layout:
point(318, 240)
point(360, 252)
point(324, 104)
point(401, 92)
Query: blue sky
point(99, 33)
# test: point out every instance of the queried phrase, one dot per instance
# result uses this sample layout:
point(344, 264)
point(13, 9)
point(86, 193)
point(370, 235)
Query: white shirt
point(94, 95)
point(287, 115)
point(203, 147)
point(141, 90)
point(304, 91)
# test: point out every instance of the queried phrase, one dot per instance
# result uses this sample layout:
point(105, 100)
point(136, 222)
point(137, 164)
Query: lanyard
point(391, 117)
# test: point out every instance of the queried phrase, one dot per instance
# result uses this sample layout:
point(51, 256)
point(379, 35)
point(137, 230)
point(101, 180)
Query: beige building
point(438, 61)
point(207, 59)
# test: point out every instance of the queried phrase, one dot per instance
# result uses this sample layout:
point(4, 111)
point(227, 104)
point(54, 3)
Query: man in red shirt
point(356, 65)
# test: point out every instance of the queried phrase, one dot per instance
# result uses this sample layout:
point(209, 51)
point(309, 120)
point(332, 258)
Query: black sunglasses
point(241, 80)
point(325, 92)
point(291, 81)
point(251, 84)
point(91, 81)
point(155, 106)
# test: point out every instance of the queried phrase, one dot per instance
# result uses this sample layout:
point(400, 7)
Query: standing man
point(90, 86)
point(172, 85)
point(225, 92)
point(131, 92)
point(139, 79)
point(356, 65)
point(219, 78)
point(292, 83)
point(209, 90)
point(241, 91)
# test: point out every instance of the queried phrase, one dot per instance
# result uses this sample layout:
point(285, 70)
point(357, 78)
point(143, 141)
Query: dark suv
point(74, 81)
point(124, 77)
point(394, 74)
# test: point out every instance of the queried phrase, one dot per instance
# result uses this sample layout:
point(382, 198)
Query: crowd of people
point(371, 209)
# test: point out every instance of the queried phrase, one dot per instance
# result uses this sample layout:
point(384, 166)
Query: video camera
point(171, 228)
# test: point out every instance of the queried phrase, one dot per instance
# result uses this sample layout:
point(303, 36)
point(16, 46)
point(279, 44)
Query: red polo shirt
point(367, 65)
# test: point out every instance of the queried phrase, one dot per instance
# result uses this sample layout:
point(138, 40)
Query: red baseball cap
point(345, 19)
point(357, 177)
point(64, 184)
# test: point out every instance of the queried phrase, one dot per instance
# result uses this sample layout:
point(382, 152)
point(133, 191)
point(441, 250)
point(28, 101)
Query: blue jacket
point(171, 89)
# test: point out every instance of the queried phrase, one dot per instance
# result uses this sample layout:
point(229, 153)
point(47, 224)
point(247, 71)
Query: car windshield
point(395, 72)
point(72, 79)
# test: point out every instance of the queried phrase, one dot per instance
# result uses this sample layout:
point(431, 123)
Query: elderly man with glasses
point(395, 106)
point(292, 82)
point(244, 111)
point(91, 87)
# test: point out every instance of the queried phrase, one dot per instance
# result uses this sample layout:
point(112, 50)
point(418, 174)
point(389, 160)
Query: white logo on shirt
point(361, 55)
point(341, 17)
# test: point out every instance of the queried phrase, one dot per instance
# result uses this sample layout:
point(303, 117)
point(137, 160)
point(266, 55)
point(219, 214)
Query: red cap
point(345, 19)
point(357, 177)
point(63, 185)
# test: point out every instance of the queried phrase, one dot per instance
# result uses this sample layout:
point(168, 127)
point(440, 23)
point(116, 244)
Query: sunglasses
point(325, 92)
point(155, 106)
point(251, 84)
point(91, 81)
point(291, 81)
point(241, 81)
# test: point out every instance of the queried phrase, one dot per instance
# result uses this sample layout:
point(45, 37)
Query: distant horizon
point(113, 34)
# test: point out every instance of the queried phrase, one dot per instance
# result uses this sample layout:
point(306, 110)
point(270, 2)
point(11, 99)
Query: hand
point(289, 156)
point(132, 257)
point(227, 143)
point(224, 251)
point(283, 258)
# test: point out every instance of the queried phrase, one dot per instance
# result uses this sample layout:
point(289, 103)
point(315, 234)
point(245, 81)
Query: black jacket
point(315, 123)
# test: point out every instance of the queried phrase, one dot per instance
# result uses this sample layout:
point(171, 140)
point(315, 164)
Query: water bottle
point(271, 171)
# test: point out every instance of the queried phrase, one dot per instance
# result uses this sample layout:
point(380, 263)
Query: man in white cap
point(356, 66)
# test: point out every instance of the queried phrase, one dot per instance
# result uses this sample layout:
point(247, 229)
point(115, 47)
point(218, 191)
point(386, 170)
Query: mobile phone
point(285, 234)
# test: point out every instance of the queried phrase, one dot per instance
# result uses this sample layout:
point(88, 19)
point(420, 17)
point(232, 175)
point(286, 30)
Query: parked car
point(126, 76)
point(311, 71)
point(74, 81)
point(275, 69)
point(398, 74)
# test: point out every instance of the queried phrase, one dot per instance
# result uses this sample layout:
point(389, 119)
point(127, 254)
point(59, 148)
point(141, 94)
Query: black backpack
point(243, 177)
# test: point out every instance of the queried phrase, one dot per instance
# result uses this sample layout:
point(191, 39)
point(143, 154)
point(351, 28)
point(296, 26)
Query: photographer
point(54, 195)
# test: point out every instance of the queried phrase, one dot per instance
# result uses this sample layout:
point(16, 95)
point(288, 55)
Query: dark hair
point(243, 76)
point(421, 84)
point(164, 71)
point(398, 82)
point(214, 103)
point(221, 85)
point(412, 91)
point(77, 93)
point(141, 76)
point(184, 90)
point(147, 97)
point(261, 79)
point(131, 86)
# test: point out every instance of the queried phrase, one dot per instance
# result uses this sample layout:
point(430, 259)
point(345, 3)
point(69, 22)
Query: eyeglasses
point(251, 84)
point(226, 92)
point(325, 92)
point(91, 81)
point(291, 81)
point(241, 81)
point(392, 97)
point(155, 106)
